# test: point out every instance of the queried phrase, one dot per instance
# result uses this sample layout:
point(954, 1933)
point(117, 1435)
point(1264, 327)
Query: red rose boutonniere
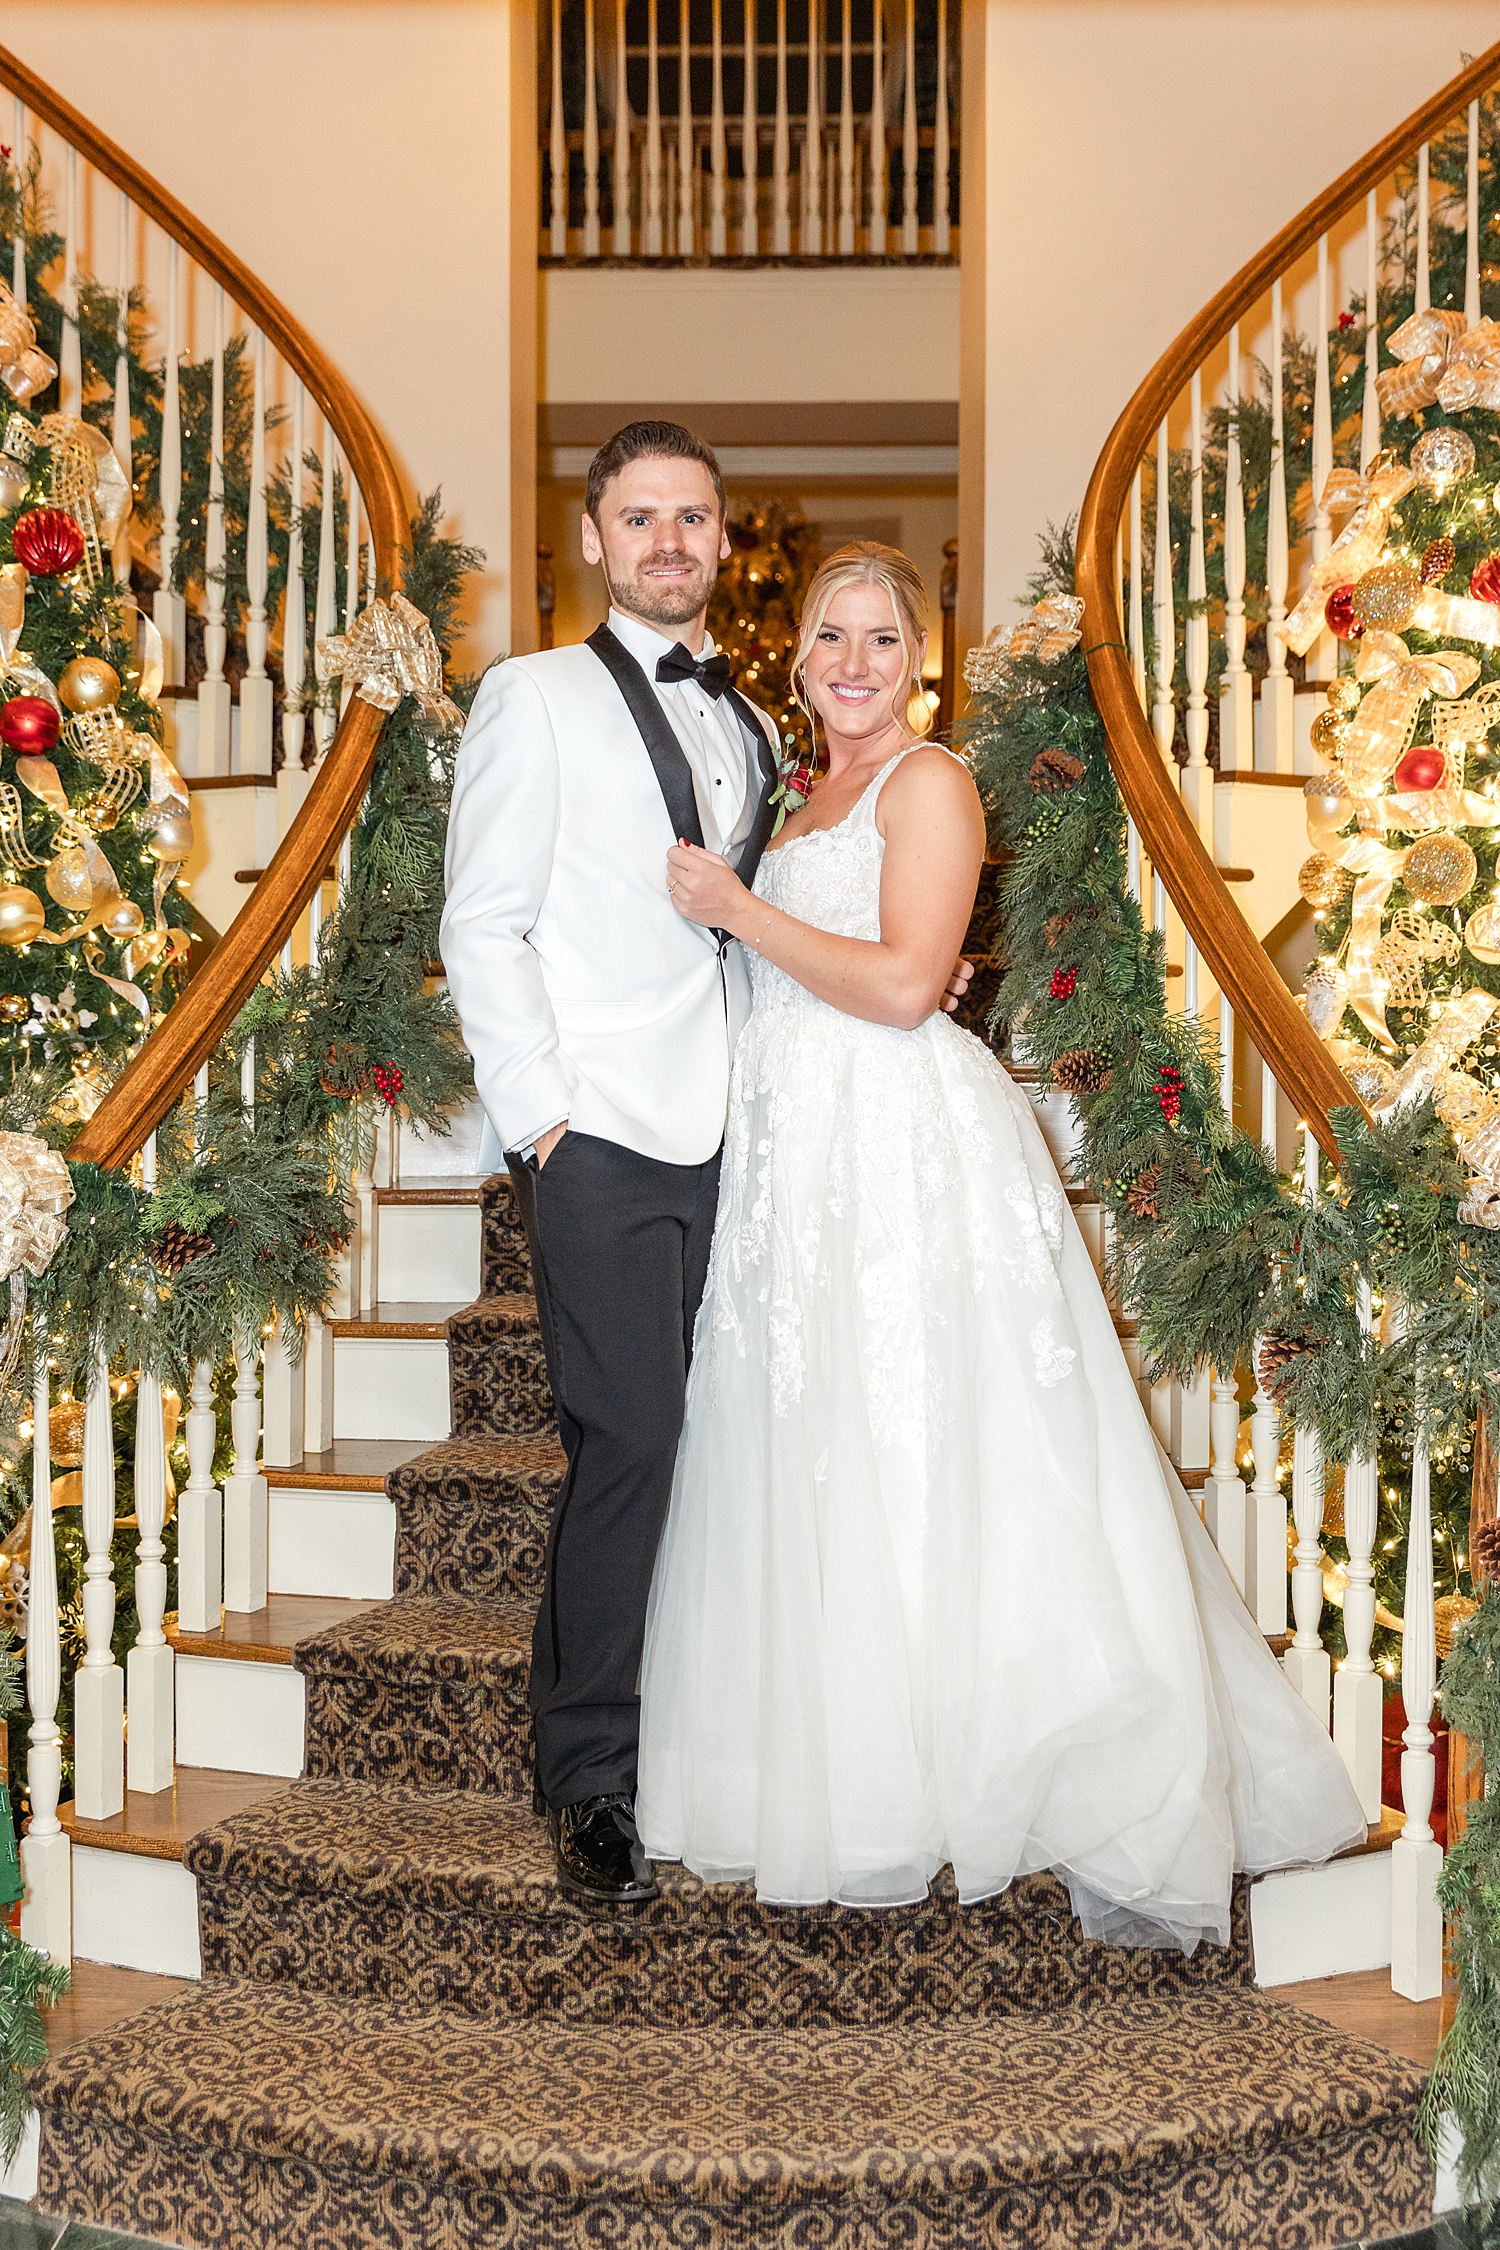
point(794, 780)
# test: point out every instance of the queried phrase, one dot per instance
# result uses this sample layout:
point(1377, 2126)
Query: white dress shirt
point(711, 737)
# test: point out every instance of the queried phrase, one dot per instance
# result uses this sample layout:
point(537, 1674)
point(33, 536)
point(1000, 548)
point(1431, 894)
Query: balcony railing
point(837, 143)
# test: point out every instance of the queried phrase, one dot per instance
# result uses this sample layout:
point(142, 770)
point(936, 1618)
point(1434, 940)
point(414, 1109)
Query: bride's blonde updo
point(865, 562)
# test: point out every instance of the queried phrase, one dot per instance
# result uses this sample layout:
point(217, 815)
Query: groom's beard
point(664, 604)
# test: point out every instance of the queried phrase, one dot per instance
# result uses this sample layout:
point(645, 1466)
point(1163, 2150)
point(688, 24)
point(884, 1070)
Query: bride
point(929, 1591)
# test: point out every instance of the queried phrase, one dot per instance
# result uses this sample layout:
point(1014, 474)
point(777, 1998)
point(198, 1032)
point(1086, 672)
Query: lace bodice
point(829, 877)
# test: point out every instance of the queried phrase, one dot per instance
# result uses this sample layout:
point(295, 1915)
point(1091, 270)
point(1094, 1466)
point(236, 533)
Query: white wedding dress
point(929, 1591)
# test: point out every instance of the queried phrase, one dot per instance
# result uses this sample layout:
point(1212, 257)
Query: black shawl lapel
point(765, 812)
point(673, 773)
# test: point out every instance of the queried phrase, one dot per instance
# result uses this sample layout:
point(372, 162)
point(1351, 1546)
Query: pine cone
point(1056, 926)
point(342, 1075)
point(1081, 1071)
point(175, 1248)
point(1278, 1354)
point(1142, 1193)
point(1484, 1555)
point(1052, 771)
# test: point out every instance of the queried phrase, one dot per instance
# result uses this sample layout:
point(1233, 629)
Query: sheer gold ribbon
point(389, 652)
point(1358, 546)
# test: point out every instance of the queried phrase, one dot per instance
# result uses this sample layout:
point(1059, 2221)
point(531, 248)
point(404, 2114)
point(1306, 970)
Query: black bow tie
point(710, 672)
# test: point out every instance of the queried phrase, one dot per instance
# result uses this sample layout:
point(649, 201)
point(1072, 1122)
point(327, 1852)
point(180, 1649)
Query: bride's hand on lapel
point(703, 887)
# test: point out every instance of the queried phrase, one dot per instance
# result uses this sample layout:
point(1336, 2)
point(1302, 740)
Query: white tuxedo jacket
point(583, 993)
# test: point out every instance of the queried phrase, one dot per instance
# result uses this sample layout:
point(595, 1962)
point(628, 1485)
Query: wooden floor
point(1365, 2006)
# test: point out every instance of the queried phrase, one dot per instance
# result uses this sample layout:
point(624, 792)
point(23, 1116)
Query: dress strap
point(863, 813)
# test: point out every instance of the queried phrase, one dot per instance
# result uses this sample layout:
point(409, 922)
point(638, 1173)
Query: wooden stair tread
point(269, 1635)
point(158, 1826)
point(349, 1465)
point(400, 1318)
point(441, 1191)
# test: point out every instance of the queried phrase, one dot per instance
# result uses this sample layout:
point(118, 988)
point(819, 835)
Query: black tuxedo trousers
point(619, 1252)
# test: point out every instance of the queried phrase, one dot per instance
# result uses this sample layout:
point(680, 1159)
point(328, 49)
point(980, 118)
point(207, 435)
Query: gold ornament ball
point(89, 684)
point(1321, 880)
point(1461, 1102)
point(69, 880)
point(124, 919)
point(14, 1007)
point(1370, 1075)
point(22, 914)
point(1326, 998)
point(1344, 695)
point(1330, 731)
point(65, 1433)
point(1482, 935)
point(1385, 599)
point(1441, 457)
point(172, 838)
point(1439, 870)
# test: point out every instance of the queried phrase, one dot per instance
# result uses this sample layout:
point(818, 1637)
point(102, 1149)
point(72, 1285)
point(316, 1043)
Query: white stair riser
point(390, 1387)
point(135, 1913)
point(429, 1252)
point(240, 1718)
point(335, 1543)
point(1322, 1921)
point(18, 2181)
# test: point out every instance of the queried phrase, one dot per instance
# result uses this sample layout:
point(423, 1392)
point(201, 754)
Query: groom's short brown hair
point(640, 441)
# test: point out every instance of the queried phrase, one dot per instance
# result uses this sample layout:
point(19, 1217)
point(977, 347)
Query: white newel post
point(200, 1513)
point(256, 692)
point(1357, 1695)
point(1265, 1540)
point(99, 1685)
point(1416, 1855)
point(1225, 1510)
point(149, 1675)
point(46, 1864)
point(245, 1490)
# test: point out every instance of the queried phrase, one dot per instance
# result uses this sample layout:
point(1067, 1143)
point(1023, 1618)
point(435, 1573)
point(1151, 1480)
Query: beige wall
point(1139, 152)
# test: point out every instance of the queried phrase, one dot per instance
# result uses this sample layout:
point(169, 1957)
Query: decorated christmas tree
point(755, 605)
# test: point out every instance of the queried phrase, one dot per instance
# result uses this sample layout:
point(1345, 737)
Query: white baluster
point(1270, 1139)
point(1416, 1855)
point(18, 245)
point(684, 131)
point(749, 131)
point(1369, 427)
point(909, 240)
point(1224, 1498)
point(781, 150)
point(846, 135)
point(1163, 713)
point(70, 357)
point(47, 1908)
point(99, 1687)
point(325, 592)
point(1424, 255)
point(1136, 630)
point(557, 144)
point(1357, 1697)
point(1236, 697)
point(812, 145)
point(1197, 777)
point(942, 225)
point(1226, 1056)
point(364, 1203)
point(120, 432)
point(879, 169)
point(1274, 752)
point(1306, 1662)
point(168, 606)
point(214, 720)
point(1265, 1545)
point(351, 581)
point(654, 243)
point(621, 174)
point(200, 1513)
point(1322, 660)
point(256, 694)
point(149, 1665)
point(1471, 245)
point(718, 152)
point(590, 137)
point(283, 1405)
point(245, 1489)
point(292, 782)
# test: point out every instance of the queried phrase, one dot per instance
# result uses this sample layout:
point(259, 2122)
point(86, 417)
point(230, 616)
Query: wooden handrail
point(1298, 1059)
point(165, 1066)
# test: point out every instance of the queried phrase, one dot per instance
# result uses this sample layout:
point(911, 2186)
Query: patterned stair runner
point(409, 2037)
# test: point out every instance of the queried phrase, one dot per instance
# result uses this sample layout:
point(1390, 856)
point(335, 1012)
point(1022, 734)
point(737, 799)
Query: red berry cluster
point(1064, 984)
point(1169, 1092)
point(388, 1082)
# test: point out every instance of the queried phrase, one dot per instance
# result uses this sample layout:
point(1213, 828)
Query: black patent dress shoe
point(599, 1853)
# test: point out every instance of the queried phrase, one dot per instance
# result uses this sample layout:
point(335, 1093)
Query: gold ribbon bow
point(1049, 630)
point(1386, 720)
point(388, 652)
point(35, 1192)
point(1444, 363)
point(1358, 546)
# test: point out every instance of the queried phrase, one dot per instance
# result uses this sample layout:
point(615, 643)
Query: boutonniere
point(794, 781)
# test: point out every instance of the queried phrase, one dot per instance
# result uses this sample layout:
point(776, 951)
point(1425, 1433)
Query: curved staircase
point(408, 2036)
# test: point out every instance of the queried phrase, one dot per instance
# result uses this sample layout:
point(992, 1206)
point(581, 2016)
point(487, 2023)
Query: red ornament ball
point(1339, 617)
point(1484, 585)
point(1420, 769)
point(48, 542)
point(1064, 984)
point(29, 726)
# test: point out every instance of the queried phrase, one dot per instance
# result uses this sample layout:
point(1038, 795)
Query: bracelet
point(765, 925)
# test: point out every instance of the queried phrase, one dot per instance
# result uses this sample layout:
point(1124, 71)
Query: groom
point(601, 1024)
